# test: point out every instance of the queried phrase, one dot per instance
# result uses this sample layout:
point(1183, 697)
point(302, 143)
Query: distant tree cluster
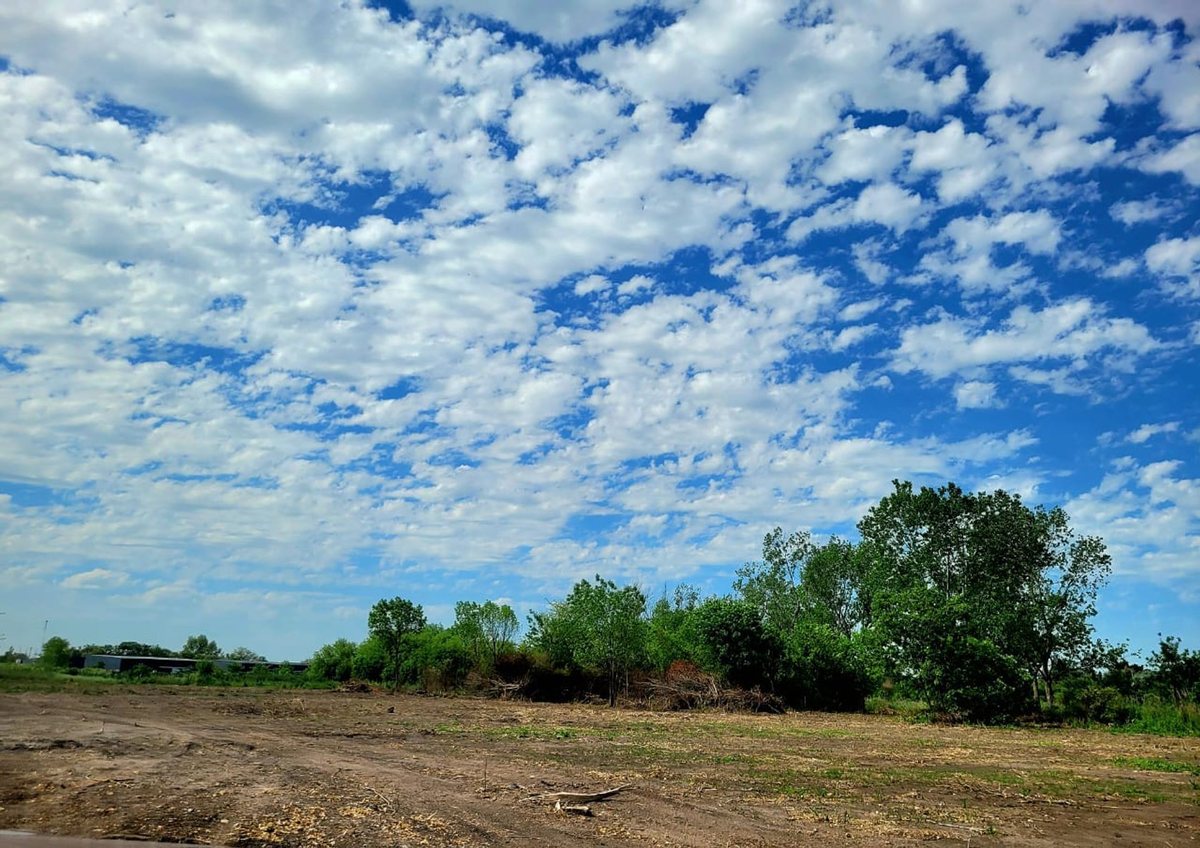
point(57, 652)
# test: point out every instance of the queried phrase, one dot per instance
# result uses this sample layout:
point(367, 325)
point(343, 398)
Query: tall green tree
point(390, 622)
point(56, 653)
point(487, 630)
point(671, 629)
point(978, 584)
point(1055, 630)
point(200, 647)
point(370, 661)
point(1175, 669)
point(600, 626)
point(774, 585)
point(836, 589)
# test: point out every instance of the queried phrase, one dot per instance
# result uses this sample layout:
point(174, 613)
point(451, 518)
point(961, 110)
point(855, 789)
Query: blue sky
point(307, 304)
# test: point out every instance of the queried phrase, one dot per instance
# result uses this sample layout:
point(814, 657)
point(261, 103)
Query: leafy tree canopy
point(200, 647)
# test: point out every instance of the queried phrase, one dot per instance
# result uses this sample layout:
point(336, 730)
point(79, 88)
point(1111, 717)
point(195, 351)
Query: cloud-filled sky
point(307, 304)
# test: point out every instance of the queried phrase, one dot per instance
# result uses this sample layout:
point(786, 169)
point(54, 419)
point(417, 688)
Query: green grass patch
point(903, 707)
point(1158, 764)
point(35, 678)
point(1165, 720)
point(529, 731)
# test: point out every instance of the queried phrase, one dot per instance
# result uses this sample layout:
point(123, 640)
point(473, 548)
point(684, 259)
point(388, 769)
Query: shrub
point(56, 653)
point(370, 661)
point(974, 681)
point(1096, 703)
point(735, 644)
point(435, 659)
point(334, 661)
point(823, 671)
point(140, 673)
point(903, 707)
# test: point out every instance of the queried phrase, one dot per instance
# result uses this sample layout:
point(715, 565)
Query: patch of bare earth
point(245, 768)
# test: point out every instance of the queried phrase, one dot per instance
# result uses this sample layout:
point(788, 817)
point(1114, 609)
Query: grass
point(36, 678)
point(1163, 719)
point(902, 707)
point(1158, 764)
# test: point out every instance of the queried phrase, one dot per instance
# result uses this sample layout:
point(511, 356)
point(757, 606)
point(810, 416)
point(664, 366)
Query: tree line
point(57, 652)
point(976, 605)
point(973, 606)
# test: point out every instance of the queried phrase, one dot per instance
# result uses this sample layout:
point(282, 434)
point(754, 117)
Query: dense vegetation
point(973, 606)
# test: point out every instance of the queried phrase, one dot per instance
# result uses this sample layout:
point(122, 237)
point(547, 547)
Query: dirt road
point(244, 768)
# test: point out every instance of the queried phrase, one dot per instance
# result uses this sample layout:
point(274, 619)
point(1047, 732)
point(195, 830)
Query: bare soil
point(245, 768)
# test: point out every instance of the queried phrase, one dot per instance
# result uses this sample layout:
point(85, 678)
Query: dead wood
point(568, 798)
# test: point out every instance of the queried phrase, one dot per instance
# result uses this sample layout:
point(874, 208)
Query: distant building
point(179, 665)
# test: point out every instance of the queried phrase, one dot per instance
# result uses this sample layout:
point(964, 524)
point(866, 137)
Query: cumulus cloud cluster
point(311, 302)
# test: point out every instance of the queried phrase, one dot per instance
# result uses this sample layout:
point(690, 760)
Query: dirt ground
point(244, 768)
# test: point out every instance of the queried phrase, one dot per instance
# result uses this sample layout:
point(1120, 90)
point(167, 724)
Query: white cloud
point(860, 309)
point(551, 22)
point(591, 284)
point(95, 578)
point(850, 336)
point(975, 394)
point(964, 160)
point(1177, 256)
point(870, 154)
point(1131, 212)
point(1178, 85)
point(1073, 330)
point(1149, 516)
point(969, 259)
point(1148, 431)
point(886, 204)
point(1183, 158)
point(1177, 261)
point(558, 122)
point(635, 284)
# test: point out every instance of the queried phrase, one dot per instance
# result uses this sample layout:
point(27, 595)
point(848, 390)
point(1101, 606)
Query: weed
point(1158, 764)
point(1165, 719)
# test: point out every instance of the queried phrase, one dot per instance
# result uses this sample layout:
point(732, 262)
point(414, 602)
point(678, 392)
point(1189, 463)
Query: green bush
point(435, 659)
point(140, 673)
point(1094, 703)
point(370, 661)
point(334, 661)
point(56, 653)
point(972, 680)
point(822, 670)
point(735, 644)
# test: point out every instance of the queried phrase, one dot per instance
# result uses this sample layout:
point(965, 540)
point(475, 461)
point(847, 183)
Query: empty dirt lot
point(244, 768)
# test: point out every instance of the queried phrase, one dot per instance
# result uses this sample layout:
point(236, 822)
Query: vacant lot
point(246, 768)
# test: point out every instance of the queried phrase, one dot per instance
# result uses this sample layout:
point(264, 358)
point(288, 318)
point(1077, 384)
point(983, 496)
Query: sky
point(308, 304)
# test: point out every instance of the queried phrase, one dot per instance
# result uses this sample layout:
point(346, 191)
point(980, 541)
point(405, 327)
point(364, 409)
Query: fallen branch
point(381, 797)
point(578, 797)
